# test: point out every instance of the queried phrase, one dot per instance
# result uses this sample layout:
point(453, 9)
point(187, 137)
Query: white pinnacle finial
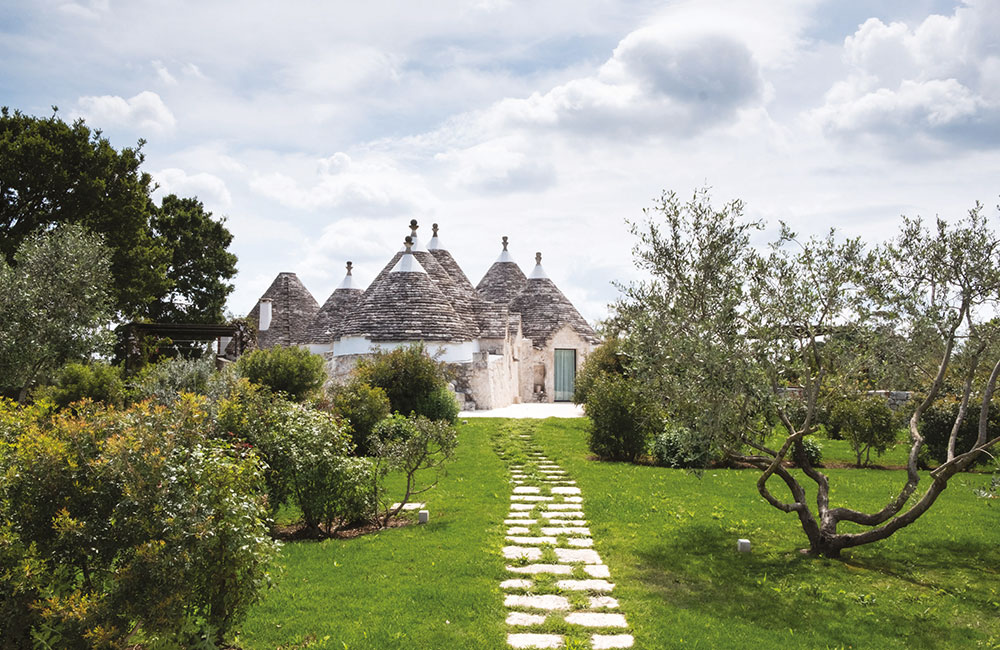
point(348, 282)
point(504, 255)
point(538, 272)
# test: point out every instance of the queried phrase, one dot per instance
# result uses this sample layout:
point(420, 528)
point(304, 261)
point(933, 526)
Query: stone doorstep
point(607, 641)
point(411, 506)
point(537, 641)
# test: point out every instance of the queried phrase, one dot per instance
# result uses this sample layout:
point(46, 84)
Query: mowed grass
point(429, 586)
point(669, 538)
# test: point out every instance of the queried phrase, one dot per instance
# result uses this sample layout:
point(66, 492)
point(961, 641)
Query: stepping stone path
point(556, 580)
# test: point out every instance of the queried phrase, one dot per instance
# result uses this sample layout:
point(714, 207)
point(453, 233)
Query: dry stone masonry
point(558, 590)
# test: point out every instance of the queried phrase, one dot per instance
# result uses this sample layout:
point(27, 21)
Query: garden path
point(558, 592)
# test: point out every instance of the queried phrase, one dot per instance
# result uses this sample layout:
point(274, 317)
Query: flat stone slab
point(563, 506)
point(527, 490)
point(530, 497)
point(606, 641)
point(584, 555)
point(522, 506)
point(585, 585)
point(596, 619)
point(520, 520)
point(555, 569)
point(515, 552)
point(516, 583)
point(572, 499)
point(603, 602)
point(518, 530)
point(566, 530)
point(562, 513)
point(535, 640)
point(524, 515)
point(411, 506)
point(567, 522)
point(534, 541)
point(565, 490)
point(544, 601)
point(597, 570)
point(580, 542)
point(523, 618)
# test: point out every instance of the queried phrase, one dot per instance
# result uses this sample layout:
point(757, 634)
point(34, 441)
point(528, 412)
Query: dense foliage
point(363, 406)
point(678, 448)
point(116, 522)
point(97, 382)
point(939, 420)
point(867, 423)
point(294, 371)
point(164, 380)
point(166, 262)
point(54, 305)
point(623, 418)
point(605, 359)
point(411, 379)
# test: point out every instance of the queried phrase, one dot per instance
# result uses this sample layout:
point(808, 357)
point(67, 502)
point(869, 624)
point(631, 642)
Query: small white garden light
point(423, 516)
point(743, 545)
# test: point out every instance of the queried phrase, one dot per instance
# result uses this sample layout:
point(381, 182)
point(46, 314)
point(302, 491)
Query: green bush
point(678, 448)
point(411, 446)
point(867, 423)
point(439, 404)
point(114, 520)
point(294, 371)
point(605, 359)
point(814, 451)
point(622, 418)
point(409, 377)
point(164, 380)
point(937, 421)
point(98, 382)
point(363, 406)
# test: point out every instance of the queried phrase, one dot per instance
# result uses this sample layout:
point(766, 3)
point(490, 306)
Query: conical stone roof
point(504, 280)
point(462, 303)
point(406, 305)
point(333, 312)
point(544, 309)
point(293, 310)
point(487, 316)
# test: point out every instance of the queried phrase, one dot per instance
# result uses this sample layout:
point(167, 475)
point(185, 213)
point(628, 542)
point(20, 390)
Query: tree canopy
point(734, 338)
point(168, 262)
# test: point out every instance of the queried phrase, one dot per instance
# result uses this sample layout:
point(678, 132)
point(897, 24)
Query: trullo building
point(511, 338)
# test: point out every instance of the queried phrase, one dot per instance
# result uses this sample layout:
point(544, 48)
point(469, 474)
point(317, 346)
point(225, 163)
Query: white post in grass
point(423, 516)
point(743, 545)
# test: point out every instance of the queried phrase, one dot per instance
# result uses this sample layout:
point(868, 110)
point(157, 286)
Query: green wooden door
point(565, 378)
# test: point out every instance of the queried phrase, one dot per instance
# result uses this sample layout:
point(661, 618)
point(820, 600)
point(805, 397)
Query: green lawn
point(669, 539)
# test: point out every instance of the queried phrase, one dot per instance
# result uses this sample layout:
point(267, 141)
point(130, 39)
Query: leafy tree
point(168, 262)
point(54, 173)
point(410, 379)
point(866, 423)
point(98, 382)
point(198, 262)
point(55, 305)
point(725, 332)
point(605, 359)
point(363, 407)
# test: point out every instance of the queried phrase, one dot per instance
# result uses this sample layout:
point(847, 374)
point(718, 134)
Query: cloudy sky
point(319, 128)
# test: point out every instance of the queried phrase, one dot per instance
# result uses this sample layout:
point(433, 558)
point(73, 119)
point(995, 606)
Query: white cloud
point(936, 82)
point(164, 74)
point(495, 167)
point(144, 112)
point(209, 188)
point(373, 186)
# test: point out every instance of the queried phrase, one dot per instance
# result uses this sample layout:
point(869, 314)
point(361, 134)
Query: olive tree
point(736, 338)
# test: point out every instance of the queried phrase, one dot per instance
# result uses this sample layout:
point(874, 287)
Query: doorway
point(565, 375)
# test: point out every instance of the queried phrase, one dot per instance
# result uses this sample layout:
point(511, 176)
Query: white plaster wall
point(450, 352)
point(532, 358)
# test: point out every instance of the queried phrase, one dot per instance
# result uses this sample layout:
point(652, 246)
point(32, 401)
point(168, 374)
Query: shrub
point(622, 418)
point(408, 445)
point(605, 359)
point(407, 375)
point(293, 371)
point(118, 519)
point(678, 448)
point(867, 423)
point(98, 382)
point(163, 381)
point(814, 451)
point(936, 424)
point(439, 404)
point(363, 406)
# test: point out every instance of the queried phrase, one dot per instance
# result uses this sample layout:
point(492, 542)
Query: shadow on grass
point(697, 568)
